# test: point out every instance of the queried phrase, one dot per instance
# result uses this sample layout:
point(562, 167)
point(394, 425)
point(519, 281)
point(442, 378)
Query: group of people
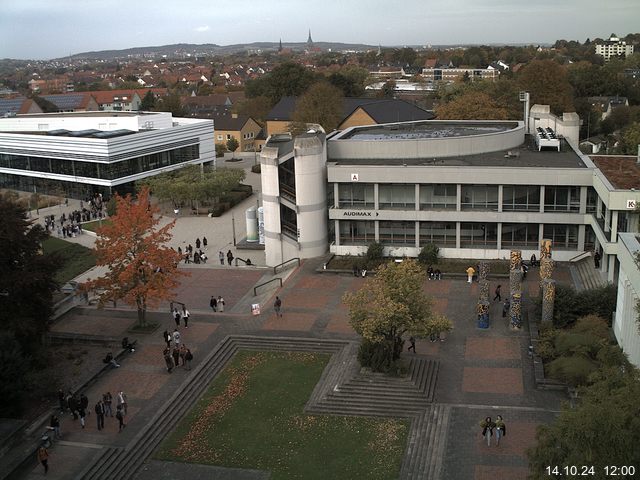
point(434, 274)
point(177, 354)
point(78, 406)
point(179, 316)
point(229, 257)
point(217, 304)
point(489, 428)
point(198, 256)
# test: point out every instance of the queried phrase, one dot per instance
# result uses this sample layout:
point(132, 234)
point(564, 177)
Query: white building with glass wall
point(79, 154)
point(476, 189)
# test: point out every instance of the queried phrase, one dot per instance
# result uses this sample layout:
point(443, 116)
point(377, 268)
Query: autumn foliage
point(142, 269)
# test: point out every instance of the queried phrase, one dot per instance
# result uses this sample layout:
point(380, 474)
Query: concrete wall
point(273, 244)
point(625, 325)
point(568, 126)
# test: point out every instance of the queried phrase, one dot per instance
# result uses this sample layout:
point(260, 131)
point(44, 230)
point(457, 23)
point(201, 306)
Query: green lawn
point(76, 259)
point(252, 417)
point(94, 225)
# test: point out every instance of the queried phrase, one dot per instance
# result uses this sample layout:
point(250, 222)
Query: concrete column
point(271, 205)
point(541, 202)
point(583, 200)
point(500, 198)
point(417, 227)
point(417, 197)
point(540, 232)
point(377, 230)
point(336, 228)
point(581, 236)
point(598, 207)
point(458, 203)
point(607, 221)
point(612, 268)
point(458, 227)
point(336, 195)
point(375, 199)
point(499, 244)
point(614, 225)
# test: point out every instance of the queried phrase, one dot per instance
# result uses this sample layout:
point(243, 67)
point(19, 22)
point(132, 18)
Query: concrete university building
point(476, 189)
point(82, 153)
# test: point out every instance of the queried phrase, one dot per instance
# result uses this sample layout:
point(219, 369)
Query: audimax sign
point(359, 213)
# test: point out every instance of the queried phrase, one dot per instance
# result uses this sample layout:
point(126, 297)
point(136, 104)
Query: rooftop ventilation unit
point(546, 137)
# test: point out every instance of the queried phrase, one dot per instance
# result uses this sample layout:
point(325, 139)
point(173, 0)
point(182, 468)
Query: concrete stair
point(122, 463)
point(426, 444)
point(586, 275)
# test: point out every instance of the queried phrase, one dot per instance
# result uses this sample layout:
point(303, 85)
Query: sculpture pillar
point(515, 289)
point(548, 299)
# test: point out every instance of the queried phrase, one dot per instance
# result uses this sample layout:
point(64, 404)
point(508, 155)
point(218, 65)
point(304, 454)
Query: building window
point(478, 235)
point(561, 199)
point(592, 200)
point(480, 197)
point(228, 136)
point(398, 233)
point(438, 197)
point(564, 237)
point(397, 197)
point(355, 195)
point(521, 198)
point(442, 234)
point(220, 137)
point(520, 235)
point(357, 232)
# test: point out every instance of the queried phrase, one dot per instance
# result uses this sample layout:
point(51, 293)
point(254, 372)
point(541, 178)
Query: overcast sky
point(43, 29)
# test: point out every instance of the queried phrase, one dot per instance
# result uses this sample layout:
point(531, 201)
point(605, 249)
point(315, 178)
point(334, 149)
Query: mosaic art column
point(547, 285)
point(515, 289)
point(482, 309)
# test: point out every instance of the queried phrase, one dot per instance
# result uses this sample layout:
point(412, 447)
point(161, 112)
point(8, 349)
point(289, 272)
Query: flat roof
point(99, 113)
point(622, 171)
point(526, 155)
point(433, 129)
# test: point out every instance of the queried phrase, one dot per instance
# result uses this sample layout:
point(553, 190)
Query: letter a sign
point(354, 177)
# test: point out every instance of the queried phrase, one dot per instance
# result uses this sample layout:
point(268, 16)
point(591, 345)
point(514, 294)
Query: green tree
point(220, 149)
point(603, 430)
point(388, 89)
point(171, 103)
point(322, 103)
point(286, 79)
point(148, 103)
point(256, 108)
point(630, 139)
point(389, 305)
point(548, 83)
point(472, 105)
point(232, 144)
point(15, 369)
point(27, 282)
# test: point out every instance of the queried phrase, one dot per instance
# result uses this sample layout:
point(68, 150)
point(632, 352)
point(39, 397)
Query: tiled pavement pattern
point(482, 372)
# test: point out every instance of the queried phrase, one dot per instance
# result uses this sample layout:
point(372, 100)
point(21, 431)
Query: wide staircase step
point(587, 275)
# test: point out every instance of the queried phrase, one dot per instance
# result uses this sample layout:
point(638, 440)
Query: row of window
point(443, 234)
point(106, 171)
point(245, 136)
point(473, 197)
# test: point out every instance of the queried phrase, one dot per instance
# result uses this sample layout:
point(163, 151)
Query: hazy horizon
point(68, 27)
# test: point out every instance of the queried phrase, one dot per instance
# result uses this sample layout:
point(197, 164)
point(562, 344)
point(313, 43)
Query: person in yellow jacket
point(470, 273)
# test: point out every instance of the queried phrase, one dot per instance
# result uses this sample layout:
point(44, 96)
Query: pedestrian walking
point(183, 353)
point(175, 353)
point(176, 317)
point(82, 413)
point(213, 303)
point(122, 401)
point(221, 304)
point(505, 307)
point(43, 458)
point(188, 356)
point(167, 338)
point(596, 259)
point(412, 345)
point(185, 316)
point(470, 273)
point(204, 242)
point(487, 426)
point(229, 257)
point(176, 338)
point(221, 257)
point(84, 403)
point(62, 401)
point(55, 424)
point(120, 417)
point(107, 400)
point(498, 296)
point(168, 359)
point(198, 243)
point(524, 270)
point(501, 429)
point(277, 305)
point(100, 411)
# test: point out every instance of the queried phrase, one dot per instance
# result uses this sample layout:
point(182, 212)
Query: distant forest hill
point(211, 49)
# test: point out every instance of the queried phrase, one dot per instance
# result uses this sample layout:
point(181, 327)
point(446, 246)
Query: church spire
point(309, 40)
point(280, 46)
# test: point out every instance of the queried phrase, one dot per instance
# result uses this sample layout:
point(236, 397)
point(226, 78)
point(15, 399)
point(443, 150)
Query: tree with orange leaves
point(142, 269)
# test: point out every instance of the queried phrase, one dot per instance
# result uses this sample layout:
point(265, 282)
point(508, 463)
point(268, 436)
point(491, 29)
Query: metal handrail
point(578, 257)
point(284, 263)
point(255, 289)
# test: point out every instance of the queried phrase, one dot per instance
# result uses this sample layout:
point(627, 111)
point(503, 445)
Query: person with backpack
point(277, 305)
point(188, 356)
point(185, 316)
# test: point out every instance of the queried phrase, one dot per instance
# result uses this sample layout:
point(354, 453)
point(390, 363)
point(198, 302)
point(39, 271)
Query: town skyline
point(66, 30)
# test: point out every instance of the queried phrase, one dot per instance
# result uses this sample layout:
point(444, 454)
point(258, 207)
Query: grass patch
point(75, 259)
point(252, 417)
point(94, 225)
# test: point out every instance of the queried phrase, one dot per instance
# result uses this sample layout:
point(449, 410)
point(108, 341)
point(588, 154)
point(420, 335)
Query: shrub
point(256, 169)
point(382, 356)
point(375, 252)
point(429, 254)
point(599, 301)
point(573, 370)
point(220, 149)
